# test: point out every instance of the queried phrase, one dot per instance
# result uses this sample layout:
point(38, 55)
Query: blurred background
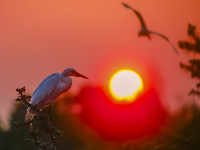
point(97, 39)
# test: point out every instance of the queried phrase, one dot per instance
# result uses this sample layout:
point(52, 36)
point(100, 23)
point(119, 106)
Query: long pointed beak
point(80, 75)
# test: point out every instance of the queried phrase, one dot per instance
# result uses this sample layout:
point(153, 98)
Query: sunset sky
point(97, 38)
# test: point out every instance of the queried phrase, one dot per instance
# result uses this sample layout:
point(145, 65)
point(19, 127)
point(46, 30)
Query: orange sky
point(38, 38)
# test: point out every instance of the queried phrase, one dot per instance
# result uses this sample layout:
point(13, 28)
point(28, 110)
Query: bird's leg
point(49, 108)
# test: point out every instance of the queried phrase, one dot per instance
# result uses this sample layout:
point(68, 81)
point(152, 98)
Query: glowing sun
point(125, 85)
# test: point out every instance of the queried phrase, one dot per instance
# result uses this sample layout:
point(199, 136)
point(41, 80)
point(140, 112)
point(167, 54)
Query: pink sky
point(38, 38)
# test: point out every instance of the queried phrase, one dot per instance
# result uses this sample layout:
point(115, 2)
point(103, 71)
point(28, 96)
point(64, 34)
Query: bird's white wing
point(45, 88)
point(165, 39)
point(47, 78)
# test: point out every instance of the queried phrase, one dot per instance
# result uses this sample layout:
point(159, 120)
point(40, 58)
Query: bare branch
point(41, 121)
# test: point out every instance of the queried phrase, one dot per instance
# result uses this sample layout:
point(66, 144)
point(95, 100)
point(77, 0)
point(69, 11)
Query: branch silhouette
point(40, 121)
point(194, 64)
point(188, 46)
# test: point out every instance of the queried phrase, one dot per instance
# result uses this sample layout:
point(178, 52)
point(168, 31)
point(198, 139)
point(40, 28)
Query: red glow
point(121, 122)
point(114, 62)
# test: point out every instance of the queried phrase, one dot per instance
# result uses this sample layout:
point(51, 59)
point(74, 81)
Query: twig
point(23, 98)
point(41, 120)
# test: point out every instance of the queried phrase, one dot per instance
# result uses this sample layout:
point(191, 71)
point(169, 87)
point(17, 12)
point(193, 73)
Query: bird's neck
point(65, 79)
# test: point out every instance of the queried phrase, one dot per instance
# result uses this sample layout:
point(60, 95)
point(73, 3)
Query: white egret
point(51, 88)
point(144, 31)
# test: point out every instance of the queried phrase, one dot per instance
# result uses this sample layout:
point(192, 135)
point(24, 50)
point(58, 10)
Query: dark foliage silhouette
point(41, 122)
point(194, 64)
point(179, 132)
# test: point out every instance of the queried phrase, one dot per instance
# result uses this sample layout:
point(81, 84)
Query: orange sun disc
point(125, 85)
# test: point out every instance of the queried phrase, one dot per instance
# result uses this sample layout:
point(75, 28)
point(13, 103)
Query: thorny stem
point(41, 119)
point(25, 123)
point(23, 98)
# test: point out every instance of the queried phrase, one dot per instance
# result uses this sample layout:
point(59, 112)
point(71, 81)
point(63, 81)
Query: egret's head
point(72, 72)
